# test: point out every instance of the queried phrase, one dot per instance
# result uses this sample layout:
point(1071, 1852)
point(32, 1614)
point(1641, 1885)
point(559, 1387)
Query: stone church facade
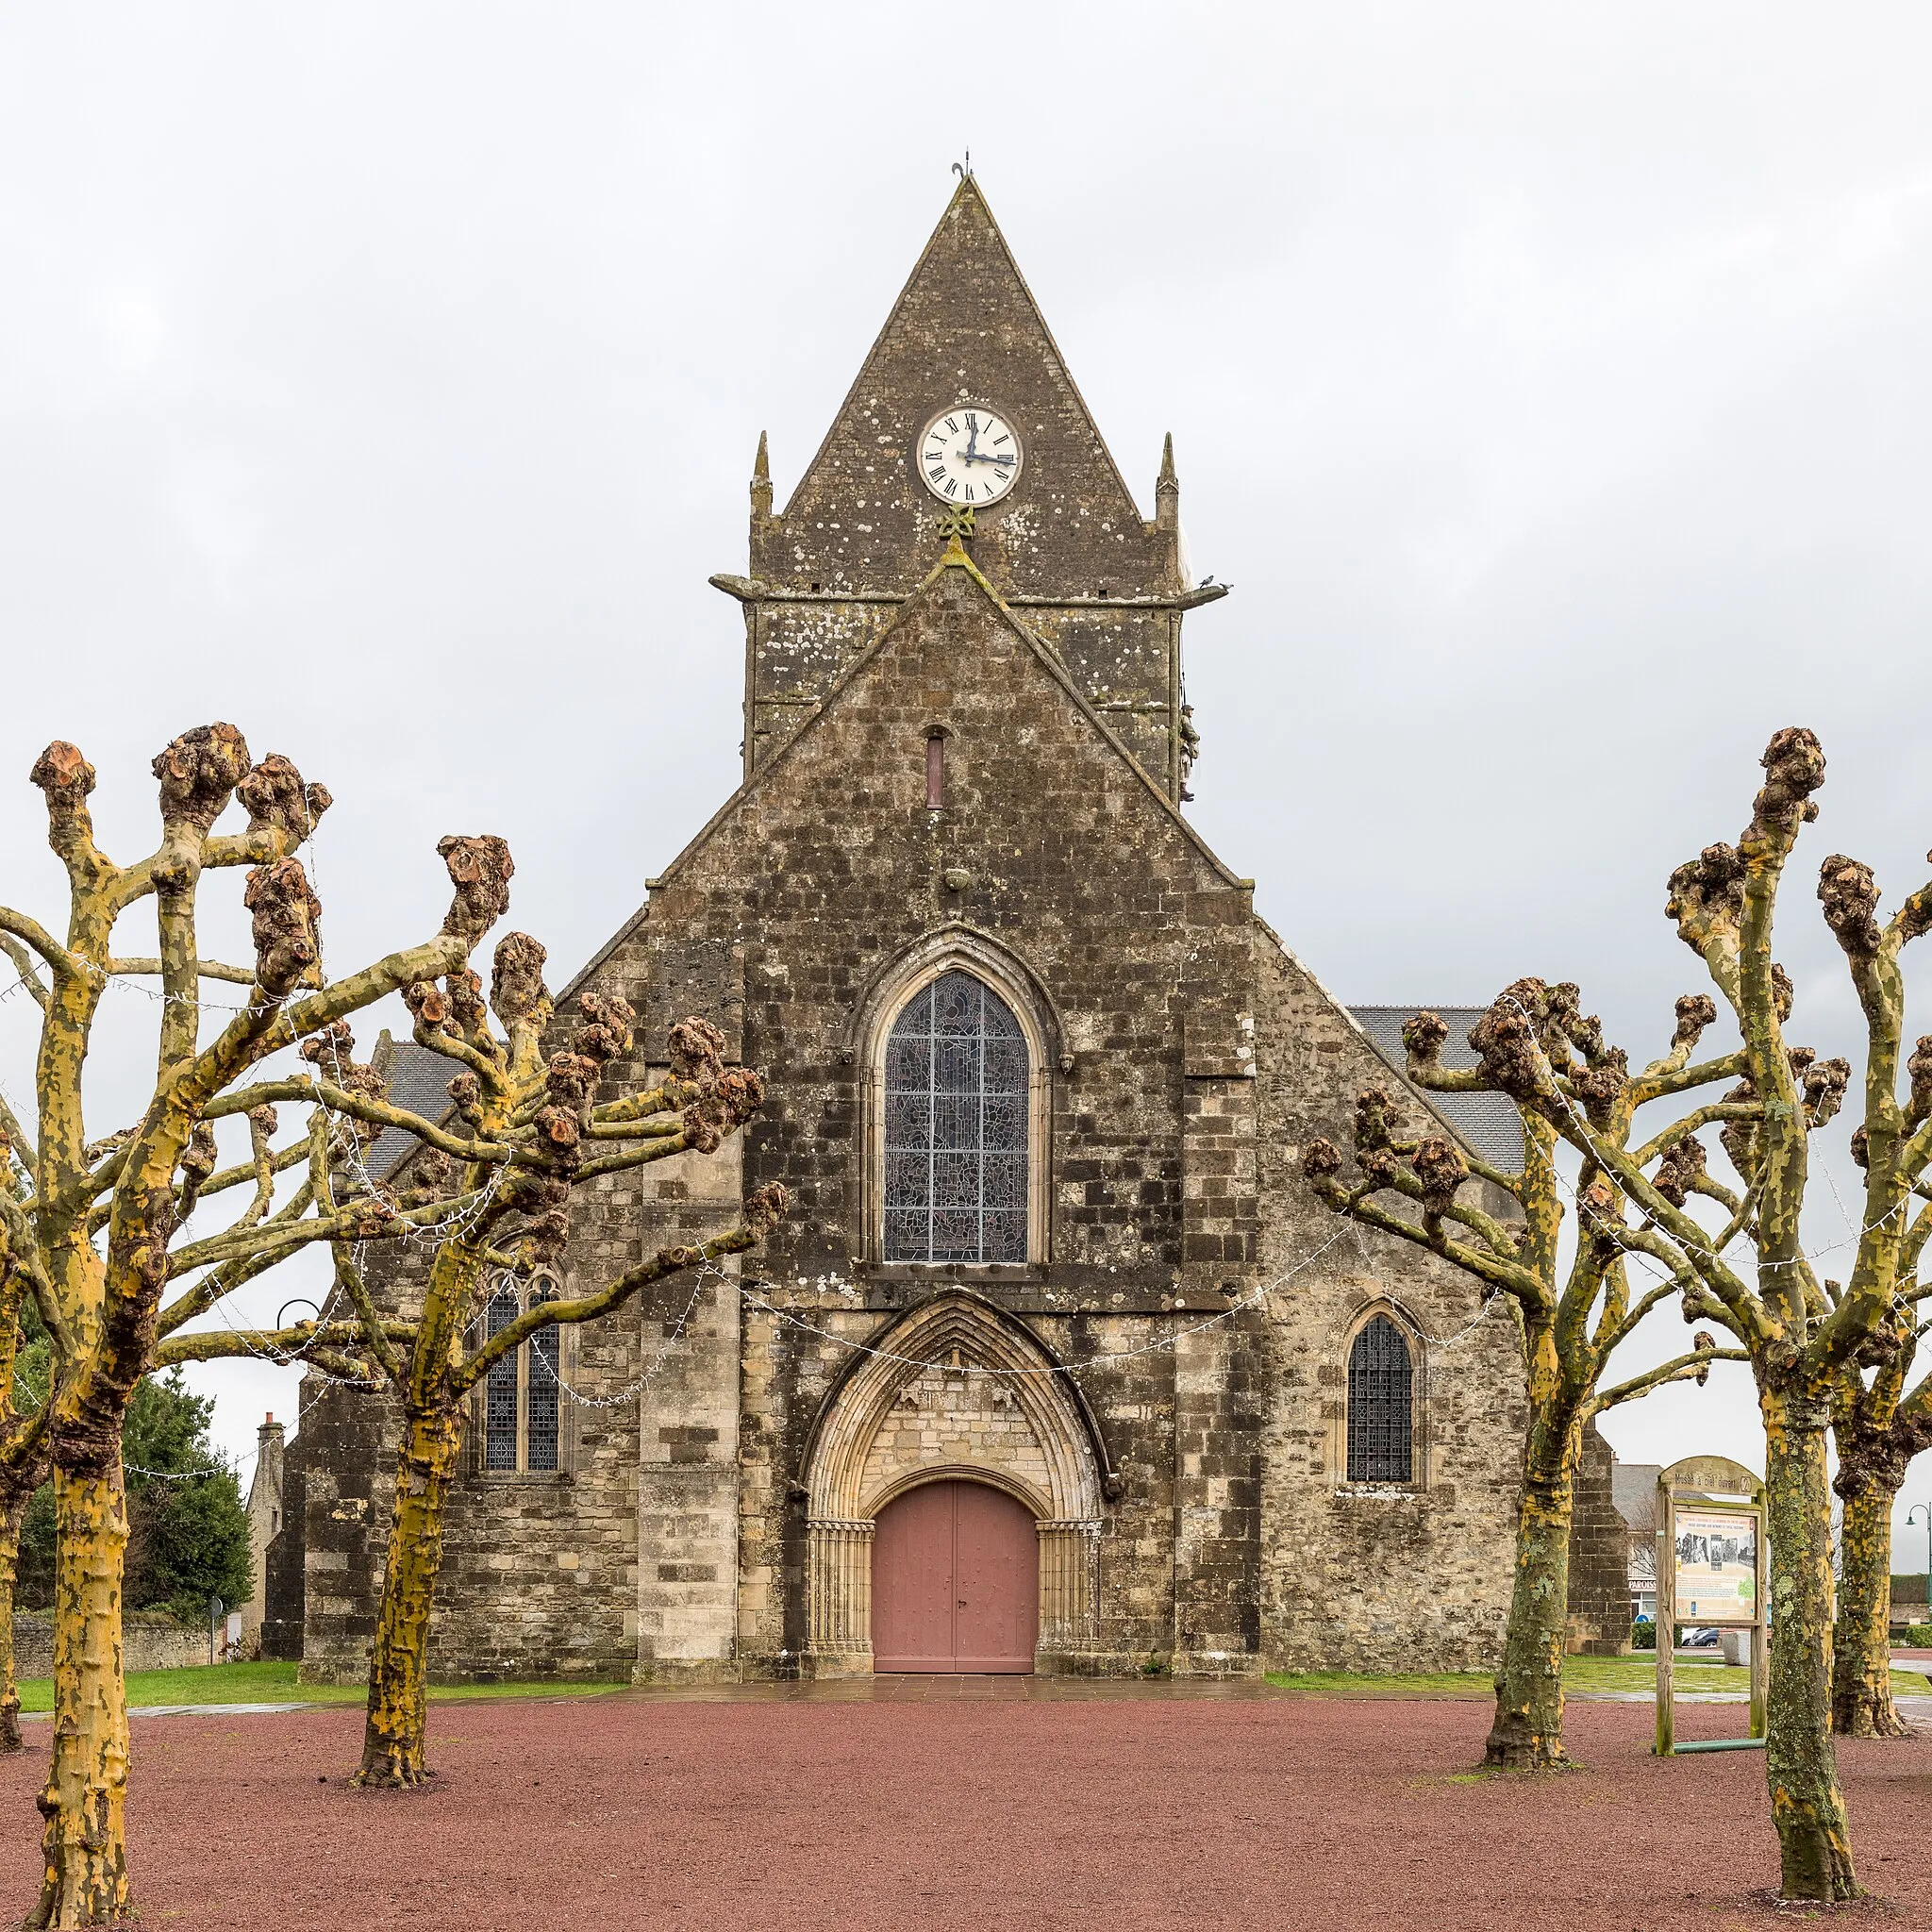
point(1055, 1363)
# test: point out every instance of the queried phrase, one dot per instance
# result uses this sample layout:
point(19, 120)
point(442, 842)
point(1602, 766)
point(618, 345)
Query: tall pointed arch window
point(958, 1084)
point(521, 1418)
point(1381, 1405)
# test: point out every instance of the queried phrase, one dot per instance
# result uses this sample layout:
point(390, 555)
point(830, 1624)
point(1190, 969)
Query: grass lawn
point(274, 1683)
point(1630, 1673)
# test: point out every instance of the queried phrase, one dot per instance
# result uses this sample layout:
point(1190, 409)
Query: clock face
point(969, 455)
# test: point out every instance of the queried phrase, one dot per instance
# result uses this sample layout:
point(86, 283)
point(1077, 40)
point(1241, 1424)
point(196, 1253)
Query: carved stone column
point(837, 1585)
point(1069, 1585)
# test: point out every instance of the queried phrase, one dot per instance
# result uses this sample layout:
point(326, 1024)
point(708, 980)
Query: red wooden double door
point(954, 1581)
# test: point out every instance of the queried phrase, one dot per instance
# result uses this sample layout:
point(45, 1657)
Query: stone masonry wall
point(1361, 1576)
point(1598, 1602)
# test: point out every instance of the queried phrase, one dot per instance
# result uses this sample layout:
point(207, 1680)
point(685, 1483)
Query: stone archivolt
point(954, 1389)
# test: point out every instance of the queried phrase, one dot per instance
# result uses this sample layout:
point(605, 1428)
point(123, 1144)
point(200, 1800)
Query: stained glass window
point(500, 1389)
point(955, 1152)
point(541, 1397)
point(1380, 1382)
point(521, 1392)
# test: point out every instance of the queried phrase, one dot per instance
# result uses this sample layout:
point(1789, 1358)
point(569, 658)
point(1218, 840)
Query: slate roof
point(1486, 1121)
point(419, 1083)
point(1633, 1489)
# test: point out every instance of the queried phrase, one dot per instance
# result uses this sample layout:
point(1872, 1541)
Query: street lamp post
point(1925, 1509)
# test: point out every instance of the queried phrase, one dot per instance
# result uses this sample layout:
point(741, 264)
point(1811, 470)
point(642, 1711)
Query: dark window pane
point(955, 1180)
point(908, 1179)
point(954, 1235)
point(908, 1064)
point(955, 1120)
point(1002, 1236)
point(543, 1398)
point(500, 1390)
point(956, 1092)
point(1380, 1407)
point(908, 1235)
point(1003, 1181)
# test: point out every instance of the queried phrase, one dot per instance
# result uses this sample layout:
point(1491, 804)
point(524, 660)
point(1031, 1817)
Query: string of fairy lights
point(346, 1138)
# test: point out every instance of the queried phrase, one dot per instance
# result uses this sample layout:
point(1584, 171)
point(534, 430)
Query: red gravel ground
point(641, 1810)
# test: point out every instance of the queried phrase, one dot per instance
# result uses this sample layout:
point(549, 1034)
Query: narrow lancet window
point(521, 1392)
point(500, 1389)
point(956, 1127)
point(1381, 1381)
point(935, 770)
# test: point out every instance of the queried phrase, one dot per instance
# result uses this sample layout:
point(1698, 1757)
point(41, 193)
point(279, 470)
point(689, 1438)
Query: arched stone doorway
point(954, 1392)
point(954, 1581)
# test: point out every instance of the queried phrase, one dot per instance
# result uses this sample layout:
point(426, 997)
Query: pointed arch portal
point(957, 1398)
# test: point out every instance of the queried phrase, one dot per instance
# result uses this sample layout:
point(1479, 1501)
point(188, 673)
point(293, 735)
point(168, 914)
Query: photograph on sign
point(1717, 1567)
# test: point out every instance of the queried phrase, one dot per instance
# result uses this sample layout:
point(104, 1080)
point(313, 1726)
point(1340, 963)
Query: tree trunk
point(1801, 1762)
point(1527, 1733)
point(1861, 1705)
point(86, 1877)
point(392, 1738)
point(11, 1514)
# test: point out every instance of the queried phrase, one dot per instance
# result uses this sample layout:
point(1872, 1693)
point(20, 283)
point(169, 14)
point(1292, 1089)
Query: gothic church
point(1055, 1364)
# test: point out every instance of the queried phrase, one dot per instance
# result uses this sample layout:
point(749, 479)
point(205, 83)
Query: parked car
point(1697, 1636)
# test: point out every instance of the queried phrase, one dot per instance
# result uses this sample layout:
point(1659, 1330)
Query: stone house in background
point(1055, 1363)
point(264, 1513)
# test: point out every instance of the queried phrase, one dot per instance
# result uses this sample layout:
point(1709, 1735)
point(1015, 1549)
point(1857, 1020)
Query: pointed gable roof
point(965, 328)
point(913, 610)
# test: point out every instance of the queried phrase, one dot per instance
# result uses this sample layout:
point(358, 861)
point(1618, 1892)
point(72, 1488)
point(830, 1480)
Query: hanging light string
point(1851, 1240)
point(1171, 1339)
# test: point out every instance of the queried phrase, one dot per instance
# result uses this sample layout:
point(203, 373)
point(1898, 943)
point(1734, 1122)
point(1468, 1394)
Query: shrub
point(1644, 1634)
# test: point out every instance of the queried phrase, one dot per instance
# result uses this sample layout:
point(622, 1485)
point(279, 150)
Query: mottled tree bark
point(85, 1880)
point(1807, 1807)
point(1862, 1702)
point(11, 1511)
point(394, 1732)
point(1527, 1733)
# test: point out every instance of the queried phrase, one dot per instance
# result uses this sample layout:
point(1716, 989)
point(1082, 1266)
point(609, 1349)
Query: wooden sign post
point(1710, 1570)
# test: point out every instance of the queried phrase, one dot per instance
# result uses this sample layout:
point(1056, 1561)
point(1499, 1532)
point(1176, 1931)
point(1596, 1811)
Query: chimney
point(268, 1454)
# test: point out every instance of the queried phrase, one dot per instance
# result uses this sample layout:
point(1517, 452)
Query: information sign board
point(1717, 1566)
point(1711, 1573)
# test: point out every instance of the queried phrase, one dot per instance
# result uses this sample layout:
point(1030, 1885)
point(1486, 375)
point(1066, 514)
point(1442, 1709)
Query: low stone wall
point(146, 1644)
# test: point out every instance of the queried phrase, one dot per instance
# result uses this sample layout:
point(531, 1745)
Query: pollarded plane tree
point(99, 1235)
point(22, 1455)
point(1800, 1335)
point(511, 1101)
point(1878, 1424)
point(106, 1235)
point(1427, 1189)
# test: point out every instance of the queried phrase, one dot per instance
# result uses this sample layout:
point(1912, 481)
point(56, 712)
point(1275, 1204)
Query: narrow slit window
point(935, 770)
point(1381, 1406)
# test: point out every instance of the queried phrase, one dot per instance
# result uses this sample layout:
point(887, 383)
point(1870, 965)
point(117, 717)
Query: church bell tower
point(964, 415)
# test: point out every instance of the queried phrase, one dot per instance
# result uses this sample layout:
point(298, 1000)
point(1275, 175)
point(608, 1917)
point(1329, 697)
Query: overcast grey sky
point(1551, 383)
